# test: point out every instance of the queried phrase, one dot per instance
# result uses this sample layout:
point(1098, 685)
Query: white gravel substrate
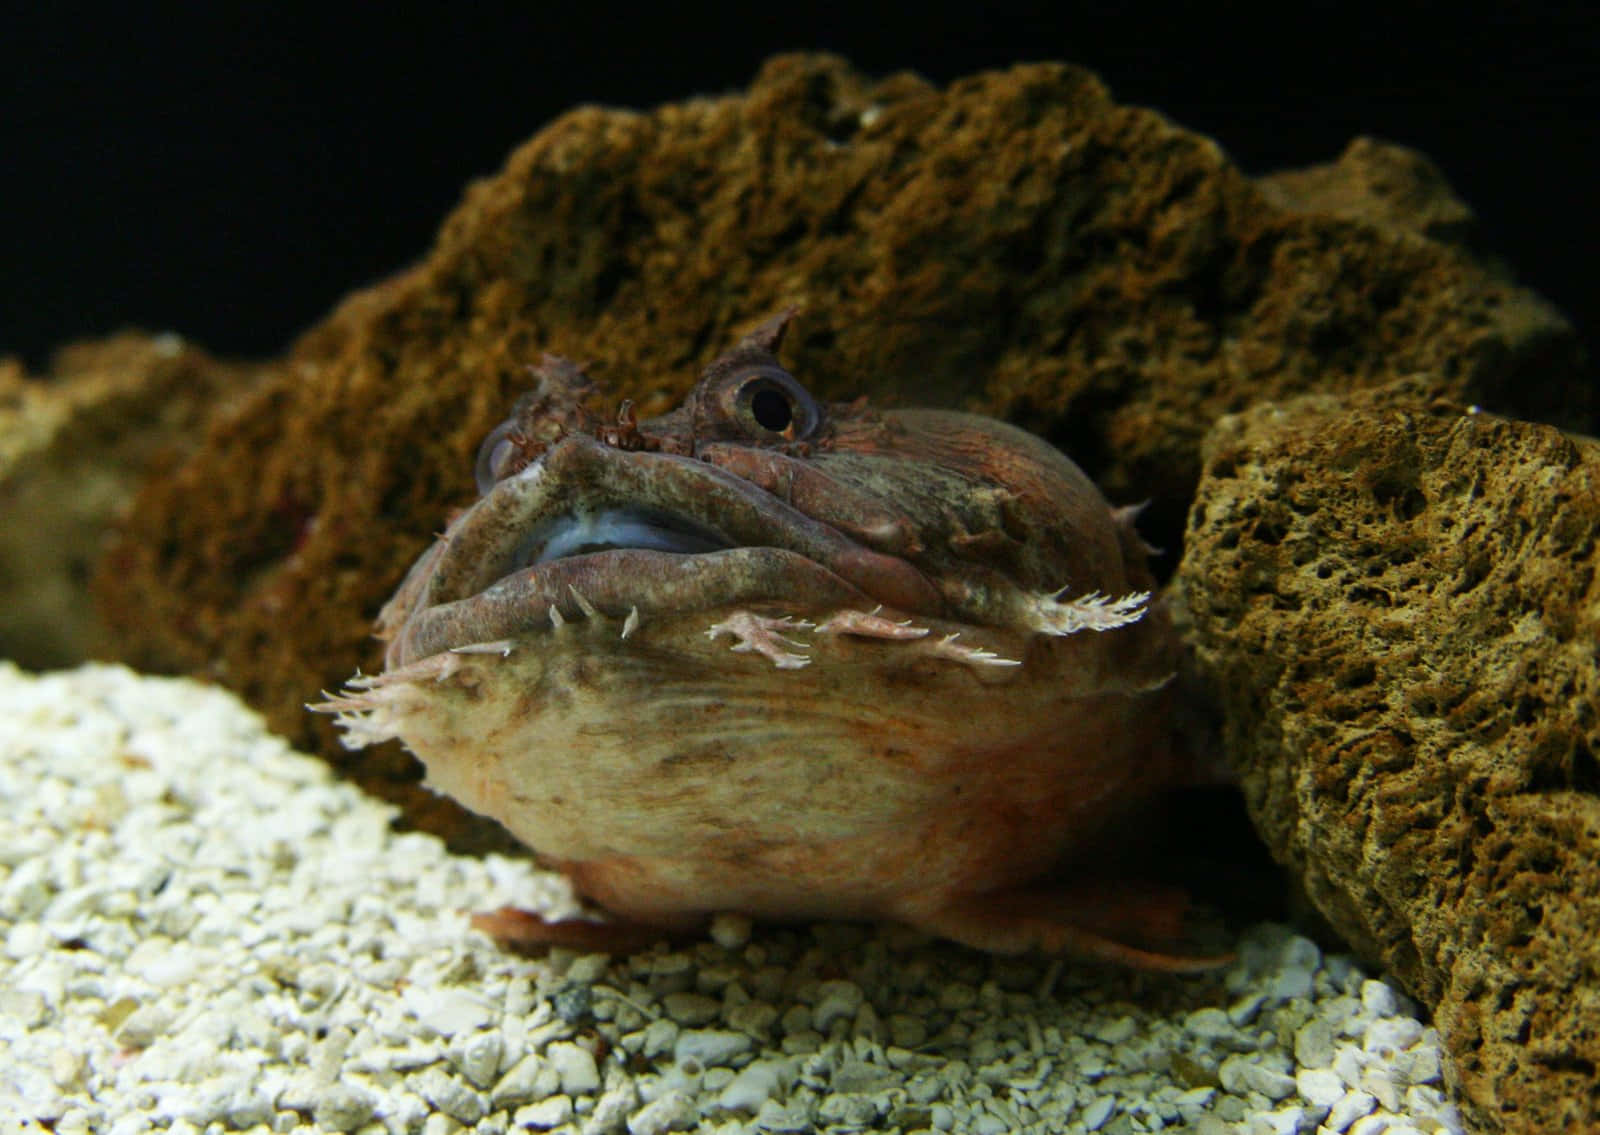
point(204, 931)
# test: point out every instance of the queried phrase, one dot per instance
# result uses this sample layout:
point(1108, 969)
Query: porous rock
point(1377, 183)
point(1015, 243)
point(1396, 606)
point(75, 445)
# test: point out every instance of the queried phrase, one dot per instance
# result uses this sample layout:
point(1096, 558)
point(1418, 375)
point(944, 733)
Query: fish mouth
point(585, 532)
point(593, 528)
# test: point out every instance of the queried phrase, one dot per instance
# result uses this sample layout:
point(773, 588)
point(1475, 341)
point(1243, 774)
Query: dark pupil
point(771, 410)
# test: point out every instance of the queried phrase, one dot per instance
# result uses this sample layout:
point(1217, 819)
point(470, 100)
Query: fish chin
point(678, 718)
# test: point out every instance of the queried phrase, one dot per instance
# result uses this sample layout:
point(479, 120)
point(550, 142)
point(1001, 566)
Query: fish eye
point(771, 410)
point(769, 401)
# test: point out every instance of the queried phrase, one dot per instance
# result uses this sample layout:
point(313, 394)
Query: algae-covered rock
point(75, 445)
point(1397, 609)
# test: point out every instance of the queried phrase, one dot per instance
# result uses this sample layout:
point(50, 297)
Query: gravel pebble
point(340, 1107)
point(1240, 1074)
point(730, 931)
point(1374, 1124)
point(836, 1001)
point(575, 1067)
point(450, 1095)
point(1319, 1086)
point(530, 1078)
point(673, 1111)
point(1095, 1115)
point(202, 931)
point(1378, 998)
point(1391, 1035)
point(691, 1009)
point(754, 1085)
point(552, 1111)
point(1350, 1107)
point(1313, 1044)
point(1284, 1121)
point(710, 1047)
point(1209, 1024)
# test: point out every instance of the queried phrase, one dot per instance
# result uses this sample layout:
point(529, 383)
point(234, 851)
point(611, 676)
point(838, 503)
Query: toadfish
point(792, 660)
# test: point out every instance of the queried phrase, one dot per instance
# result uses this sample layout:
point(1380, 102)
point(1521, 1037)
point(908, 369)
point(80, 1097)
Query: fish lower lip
point(581, 532)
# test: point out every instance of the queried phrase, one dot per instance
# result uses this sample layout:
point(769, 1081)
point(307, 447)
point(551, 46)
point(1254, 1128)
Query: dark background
point(228, 174)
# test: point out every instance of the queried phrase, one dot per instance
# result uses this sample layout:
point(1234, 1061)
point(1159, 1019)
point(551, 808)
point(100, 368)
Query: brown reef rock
point(1397, 606)
point(75, 446)
point(1016, 243)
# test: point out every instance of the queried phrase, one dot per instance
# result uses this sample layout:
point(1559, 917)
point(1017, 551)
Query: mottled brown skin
point(946, 686)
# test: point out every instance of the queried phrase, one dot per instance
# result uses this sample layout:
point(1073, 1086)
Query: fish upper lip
point(753, 545)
